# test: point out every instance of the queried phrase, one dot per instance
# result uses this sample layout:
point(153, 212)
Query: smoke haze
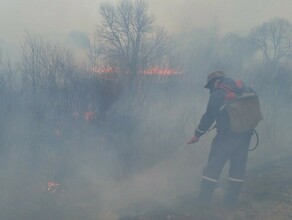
point(58, 18)
point(119, 163)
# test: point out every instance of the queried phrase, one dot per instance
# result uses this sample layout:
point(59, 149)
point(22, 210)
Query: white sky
point(55, 18)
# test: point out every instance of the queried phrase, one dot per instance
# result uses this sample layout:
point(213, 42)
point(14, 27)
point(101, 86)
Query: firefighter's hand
point(193, 140)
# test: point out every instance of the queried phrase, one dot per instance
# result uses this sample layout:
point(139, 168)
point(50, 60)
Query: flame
point(160, 71)
point(89, 116)
point(52, 186)
point(149, 71)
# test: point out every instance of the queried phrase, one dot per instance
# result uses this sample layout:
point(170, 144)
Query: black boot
point(232, 194)
point(207, 189)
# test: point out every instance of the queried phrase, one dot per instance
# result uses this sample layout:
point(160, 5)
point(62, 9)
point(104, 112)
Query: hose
point(257, 140)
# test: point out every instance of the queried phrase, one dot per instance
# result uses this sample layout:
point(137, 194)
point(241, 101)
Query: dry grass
point(267, 195)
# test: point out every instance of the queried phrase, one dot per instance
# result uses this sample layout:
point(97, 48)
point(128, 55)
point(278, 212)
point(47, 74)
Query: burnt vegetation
point(100, 130)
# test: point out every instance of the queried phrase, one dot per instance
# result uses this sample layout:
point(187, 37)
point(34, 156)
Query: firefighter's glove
point(193, 140)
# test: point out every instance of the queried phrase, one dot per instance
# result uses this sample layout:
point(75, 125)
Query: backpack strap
point(225, 87)
point(231, 93)
point(238, 83)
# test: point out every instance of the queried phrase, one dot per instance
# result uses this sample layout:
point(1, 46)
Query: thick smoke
point(114, 162)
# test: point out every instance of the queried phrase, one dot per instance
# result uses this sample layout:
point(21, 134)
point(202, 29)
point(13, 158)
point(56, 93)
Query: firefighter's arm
point(214, 104)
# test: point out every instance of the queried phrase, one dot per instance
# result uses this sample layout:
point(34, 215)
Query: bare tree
point(46, 68)
point(274, 39)
point(128, 39)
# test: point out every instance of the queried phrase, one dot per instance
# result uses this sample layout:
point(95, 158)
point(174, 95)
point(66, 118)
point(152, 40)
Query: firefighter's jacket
point(214, 113)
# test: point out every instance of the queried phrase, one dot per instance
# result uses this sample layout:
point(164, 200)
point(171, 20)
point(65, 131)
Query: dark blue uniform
point(226, 146)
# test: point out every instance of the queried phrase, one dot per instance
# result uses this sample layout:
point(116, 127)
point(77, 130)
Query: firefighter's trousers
point(233, 149)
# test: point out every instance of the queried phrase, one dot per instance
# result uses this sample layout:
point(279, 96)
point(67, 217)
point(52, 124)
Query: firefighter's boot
point(206, 191)
point(233, 191)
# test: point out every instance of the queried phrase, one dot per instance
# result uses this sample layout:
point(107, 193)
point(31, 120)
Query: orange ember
point(52, 186)
point(160, 71)
point(89, 116)
point(149, 71)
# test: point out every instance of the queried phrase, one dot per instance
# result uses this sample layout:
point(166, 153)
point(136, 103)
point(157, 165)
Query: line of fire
point(112, 81)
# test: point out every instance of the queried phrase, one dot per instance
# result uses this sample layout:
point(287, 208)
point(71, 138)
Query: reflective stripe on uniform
point(222, 107)
point(210, 179)
point(200, 131)
point(235, 180)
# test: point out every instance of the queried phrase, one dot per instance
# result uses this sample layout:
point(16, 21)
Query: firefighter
point(226, 145)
